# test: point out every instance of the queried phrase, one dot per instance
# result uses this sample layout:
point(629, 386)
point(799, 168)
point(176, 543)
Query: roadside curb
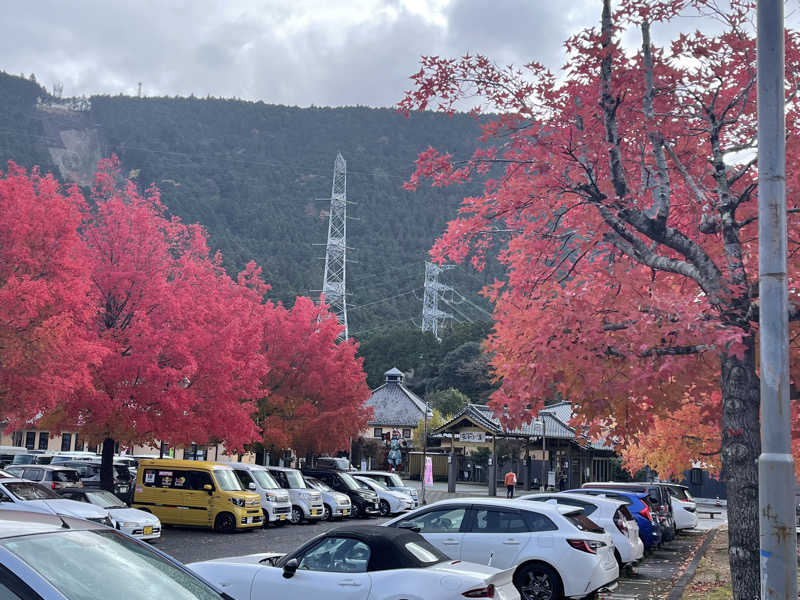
point(688, 574)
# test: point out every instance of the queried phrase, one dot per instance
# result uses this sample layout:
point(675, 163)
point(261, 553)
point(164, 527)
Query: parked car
point(358, 562)
point(364, 502)
point(390, 502)
point(649, 530)
point(306, 502)
point(50, 558)
point(612, 515)
point(63, 457)
point(28, 458)
point(55, 477)
point(197, 493)
point(274, 499)
point(657, 496)
point(134, 522)
point(7, 454)
point(18, 494)
point(391, 481)
point(554, 550)
point(684, 508)
point(337, 505)
point(333, 462)
point(89, 471)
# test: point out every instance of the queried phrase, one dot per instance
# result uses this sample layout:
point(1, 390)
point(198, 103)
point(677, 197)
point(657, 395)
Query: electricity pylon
point(431, 315)
point(333, 283)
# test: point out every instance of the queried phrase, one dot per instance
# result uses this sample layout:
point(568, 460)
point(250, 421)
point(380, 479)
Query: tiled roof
point(555, 427)
point(394, 404)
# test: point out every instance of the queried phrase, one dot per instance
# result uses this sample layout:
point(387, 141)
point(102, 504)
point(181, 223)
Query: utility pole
point(431, 315)
point(334, 292)
point(775, 465)
point(543, 485)
point(424, 452)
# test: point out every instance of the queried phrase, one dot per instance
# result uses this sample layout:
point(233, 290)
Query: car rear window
point(584, 523)
point(625, 512)
point(66, 476)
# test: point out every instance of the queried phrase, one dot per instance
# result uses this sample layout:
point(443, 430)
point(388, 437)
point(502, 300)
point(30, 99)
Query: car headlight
point(237, 501)
point(128, 524)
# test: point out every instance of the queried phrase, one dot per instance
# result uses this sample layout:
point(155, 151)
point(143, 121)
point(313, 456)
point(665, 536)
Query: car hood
point(247, 559)
point(400, 495)
point(71, 508)
point(133, 515)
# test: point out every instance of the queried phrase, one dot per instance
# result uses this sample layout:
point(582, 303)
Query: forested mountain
point(258, 177)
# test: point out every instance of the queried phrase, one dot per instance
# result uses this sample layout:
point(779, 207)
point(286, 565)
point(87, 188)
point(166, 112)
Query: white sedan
point(391, 502)
point(363, 562)
point(612, 515)
point(134, 522)
point(554, 550)
point(19, 494)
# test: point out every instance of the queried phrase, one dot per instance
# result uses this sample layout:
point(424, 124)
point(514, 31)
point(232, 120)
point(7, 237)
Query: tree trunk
point(107, 466)
point(741, 447)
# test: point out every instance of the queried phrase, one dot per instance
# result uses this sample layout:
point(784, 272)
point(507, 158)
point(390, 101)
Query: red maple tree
point(316, 386)
point(622, 194)
point(182, 361)
point(45, 351)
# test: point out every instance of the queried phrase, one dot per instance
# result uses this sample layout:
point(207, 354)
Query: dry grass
point(712, 581)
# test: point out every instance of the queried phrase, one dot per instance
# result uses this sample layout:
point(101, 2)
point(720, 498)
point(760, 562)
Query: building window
point(44, 438)
point(66, 442)
point(78, 443)
point(194, 453)
point(407, 433)
point(17, 438)
point(30, 439)
point(92, 448)
point(378, 433)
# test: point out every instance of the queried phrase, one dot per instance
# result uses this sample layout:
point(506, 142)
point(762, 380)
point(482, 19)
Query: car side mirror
point(208, 487)
point(409, 525)
point(251, 486)
point(290, 568)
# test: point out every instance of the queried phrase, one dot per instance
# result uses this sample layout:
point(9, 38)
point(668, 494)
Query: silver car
point(337, 504)
point(61, 558)
point(306, 502)
point(391, 481)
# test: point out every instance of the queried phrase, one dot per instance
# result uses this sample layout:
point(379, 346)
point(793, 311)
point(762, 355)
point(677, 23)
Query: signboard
point(551, 479)
point(473, 436)
point(428, 471)
point(363, 465)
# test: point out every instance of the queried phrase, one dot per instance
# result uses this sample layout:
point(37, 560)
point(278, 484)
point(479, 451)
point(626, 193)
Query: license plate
point(283, 517)
point(250, 519)
point(148, 531)
point(345, 512)
point(123, 490)
point(315, 511)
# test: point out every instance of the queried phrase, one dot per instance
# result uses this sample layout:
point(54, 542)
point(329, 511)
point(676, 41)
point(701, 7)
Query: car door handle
point(451, 542)
point(511, 542)
point(349, 583)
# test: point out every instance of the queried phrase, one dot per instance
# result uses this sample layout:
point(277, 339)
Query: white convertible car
point(361, 562)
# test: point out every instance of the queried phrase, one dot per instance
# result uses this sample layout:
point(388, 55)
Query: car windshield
point(23, 459)
point(105, 499)
point(316, 483)
point(122, 472)
point(351, 483)
point(227, 480)
point(30, 491)
point(295, 480)
point(120, 567)
point(395, 481)
point(374, 483)
point(265, 480)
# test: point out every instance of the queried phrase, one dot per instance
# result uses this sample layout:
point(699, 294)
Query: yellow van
point(189, 492)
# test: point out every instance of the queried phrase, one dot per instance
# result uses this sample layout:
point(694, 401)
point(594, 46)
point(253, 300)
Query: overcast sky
point(295, 52)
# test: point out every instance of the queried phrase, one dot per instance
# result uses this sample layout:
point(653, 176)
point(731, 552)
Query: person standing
point(511, 481)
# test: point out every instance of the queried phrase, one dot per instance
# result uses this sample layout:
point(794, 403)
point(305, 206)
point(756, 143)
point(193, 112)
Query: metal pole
point(775, 465)
point(543, 485)
point(424, 452)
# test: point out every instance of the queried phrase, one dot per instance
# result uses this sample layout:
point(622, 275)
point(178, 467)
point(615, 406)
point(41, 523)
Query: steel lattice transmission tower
point(431, 315)
point(333, 285)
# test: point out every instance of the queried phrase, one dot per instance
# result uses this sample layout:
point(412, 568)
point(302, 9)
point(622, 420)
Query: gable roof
point(394, 404)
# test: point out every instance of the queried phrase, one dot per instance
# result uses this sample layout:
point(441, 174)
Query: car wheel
point(385, 510)
point(327, 513)
point(297, 515)
point(538, 582)
point(356, 511)
point(225, 523)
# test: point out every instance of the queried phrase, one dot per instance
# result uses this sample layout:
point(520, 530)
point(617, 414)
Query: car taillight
point(53, 485)
point(589, 546)
point(645, 512)
point(487, 592)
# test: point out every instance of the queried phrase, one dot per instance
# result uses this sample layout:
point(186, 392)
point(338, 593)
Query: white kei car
point(612, 515)
point(684, 508)
point(361, 562)
point(390, 502)
point(134, 522)
point(554, 550)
